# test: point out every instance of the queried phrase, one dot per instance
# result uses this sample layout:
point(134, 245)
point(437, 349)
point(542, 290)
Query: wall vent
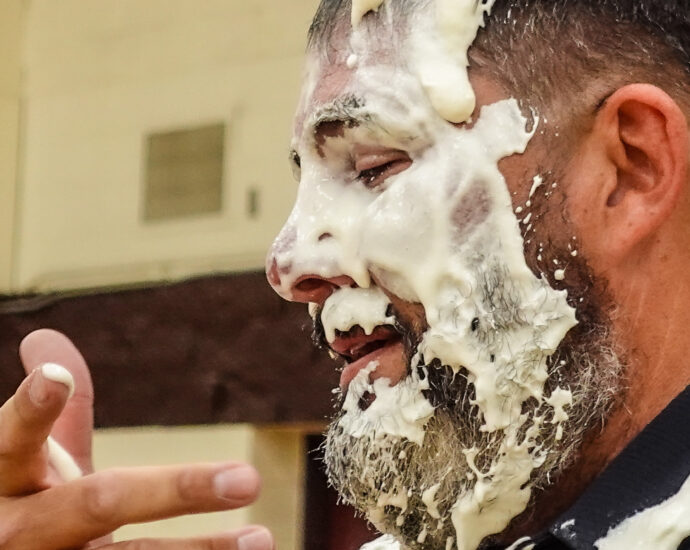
point(184, 173)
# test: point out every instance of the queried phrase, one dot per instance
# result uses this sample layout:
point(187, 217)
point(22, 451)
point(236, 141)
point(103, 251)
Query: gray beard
point(362, 469)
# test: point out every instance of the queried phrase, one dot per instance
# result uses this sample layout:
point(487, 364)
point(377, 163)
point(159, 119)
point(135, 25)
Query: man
point(498, 256)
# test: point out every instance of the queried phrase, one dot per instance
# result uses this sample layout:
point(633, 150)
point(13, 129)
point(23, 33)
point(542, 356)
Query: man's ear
point(643, 137)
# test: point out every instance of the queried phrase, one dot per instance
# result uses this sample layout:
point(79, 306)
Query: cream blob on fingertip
point(58, 373)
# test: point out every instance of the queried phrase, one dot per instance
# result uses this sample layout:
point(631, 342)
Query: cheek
point(414, 225)
point(410, 231)
point(400, 232)
point(518, 172)
point(470, 211)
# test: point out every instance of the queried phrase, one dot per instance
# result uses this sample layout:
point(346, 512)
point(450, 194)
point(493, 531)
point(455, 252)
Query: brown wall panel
point(215, 349)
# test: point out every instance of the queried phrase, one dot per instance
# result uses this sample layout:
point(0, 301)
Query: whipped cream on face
point(662, 527)
point(361, 7)
point(465, 234)
point(399, 411)
point(537, 182)
point(501, 492)
point(439, 41)
point(385, 542)
point(520, 544)
point(559, 400)
point(441, 233)
point(350, 307)
point(429, 500)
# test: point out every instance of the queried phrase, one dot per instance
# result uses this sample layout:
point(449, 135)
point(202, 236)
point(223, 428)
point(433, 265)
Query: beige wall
point(91, 78)
point(11, 36)
point(277, 453)
point(101, 75)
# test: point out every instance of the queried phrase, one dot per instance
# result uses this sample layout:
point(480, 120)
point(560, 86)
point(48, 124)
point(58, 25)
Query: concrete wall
point(100, 76)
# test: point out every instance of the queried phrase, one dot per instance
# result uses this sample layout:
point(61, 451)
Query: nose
point(305, 288)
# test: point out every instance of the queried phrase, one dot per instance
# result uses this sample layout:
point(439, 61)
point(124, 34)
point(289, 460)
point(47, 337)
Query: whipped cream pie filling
point(441, 233)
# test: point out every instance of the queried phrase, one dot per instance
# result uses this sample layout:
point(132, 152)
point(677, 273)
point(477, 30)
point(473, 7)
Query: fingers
point(249, 538)
point(70, 515)
point(25, 422)
point(74, 427)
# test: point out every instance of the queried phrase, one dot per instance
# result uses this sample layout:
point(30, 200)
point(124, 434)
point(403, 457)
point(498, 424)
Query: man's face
point(465, 385)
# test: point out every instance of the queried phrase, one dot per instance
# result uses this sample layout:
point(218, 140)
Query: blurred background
point(143, 174)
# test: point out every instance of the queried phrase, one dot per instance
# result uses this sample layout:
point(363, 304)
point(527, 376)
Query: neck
point(650, 324)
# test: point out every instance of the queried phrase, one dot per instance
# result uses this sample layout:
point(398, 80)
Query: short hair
point(331, 14)
point(328, 12)
point(548, 51)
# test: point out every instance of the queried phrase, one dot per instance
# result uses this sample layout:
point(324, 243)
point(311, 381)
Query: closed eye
point(375, 167)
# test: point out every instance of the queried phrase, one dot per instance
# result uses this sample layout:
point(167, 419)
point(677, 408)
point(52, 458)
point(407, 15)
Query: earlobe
point(646, 140)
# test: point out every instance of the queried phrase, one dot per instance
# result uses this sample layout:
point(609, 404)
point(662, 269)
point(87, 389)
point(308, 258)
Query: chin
point(415, 459)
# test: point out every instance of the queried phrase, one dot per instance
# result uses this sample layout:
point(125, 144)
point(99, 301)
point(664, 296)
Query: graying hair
point(332, 13)
point(548, 50)
point(552, 50)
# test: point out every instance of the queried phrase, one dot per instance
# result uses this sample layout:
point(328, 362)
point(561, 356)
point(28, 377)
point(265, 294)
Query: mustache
point(318, 333)
point(409, 338)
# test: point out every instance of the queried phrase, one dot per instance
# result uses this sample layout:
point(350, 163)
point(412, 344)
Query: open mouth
point(384, 345)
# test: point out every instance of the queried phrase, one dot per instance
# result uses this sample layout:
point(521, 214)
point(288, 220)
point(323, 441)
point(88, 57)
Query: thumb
point(74, 428)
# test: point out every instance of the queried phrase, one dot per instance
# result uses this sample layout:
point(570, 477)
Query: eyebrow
point(331, 119)
point(343, 109)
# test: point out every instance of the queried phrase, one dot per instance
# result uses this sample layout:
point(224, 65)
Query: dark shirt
point(650, 470)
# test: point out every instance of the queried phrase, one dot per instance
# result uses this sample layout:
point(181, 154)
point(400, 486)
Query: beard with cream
point(443, 234)
point(443, 470)
point(409, 484)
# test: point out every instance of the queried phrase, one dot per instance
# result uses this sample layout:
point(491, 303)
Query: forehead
point(383, 66)
point(433, 42)
point(333, 71)
point(379, 87)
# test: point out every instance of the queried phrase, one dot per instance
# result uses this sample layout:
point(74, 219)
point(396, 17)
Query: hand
point(39, 510)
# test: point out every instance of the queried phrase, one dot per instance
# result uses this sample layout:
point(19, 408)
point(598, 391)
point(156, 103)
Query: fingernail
point(258, 539)
point(38, 391)
point(58, 373)
point(236, 483)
